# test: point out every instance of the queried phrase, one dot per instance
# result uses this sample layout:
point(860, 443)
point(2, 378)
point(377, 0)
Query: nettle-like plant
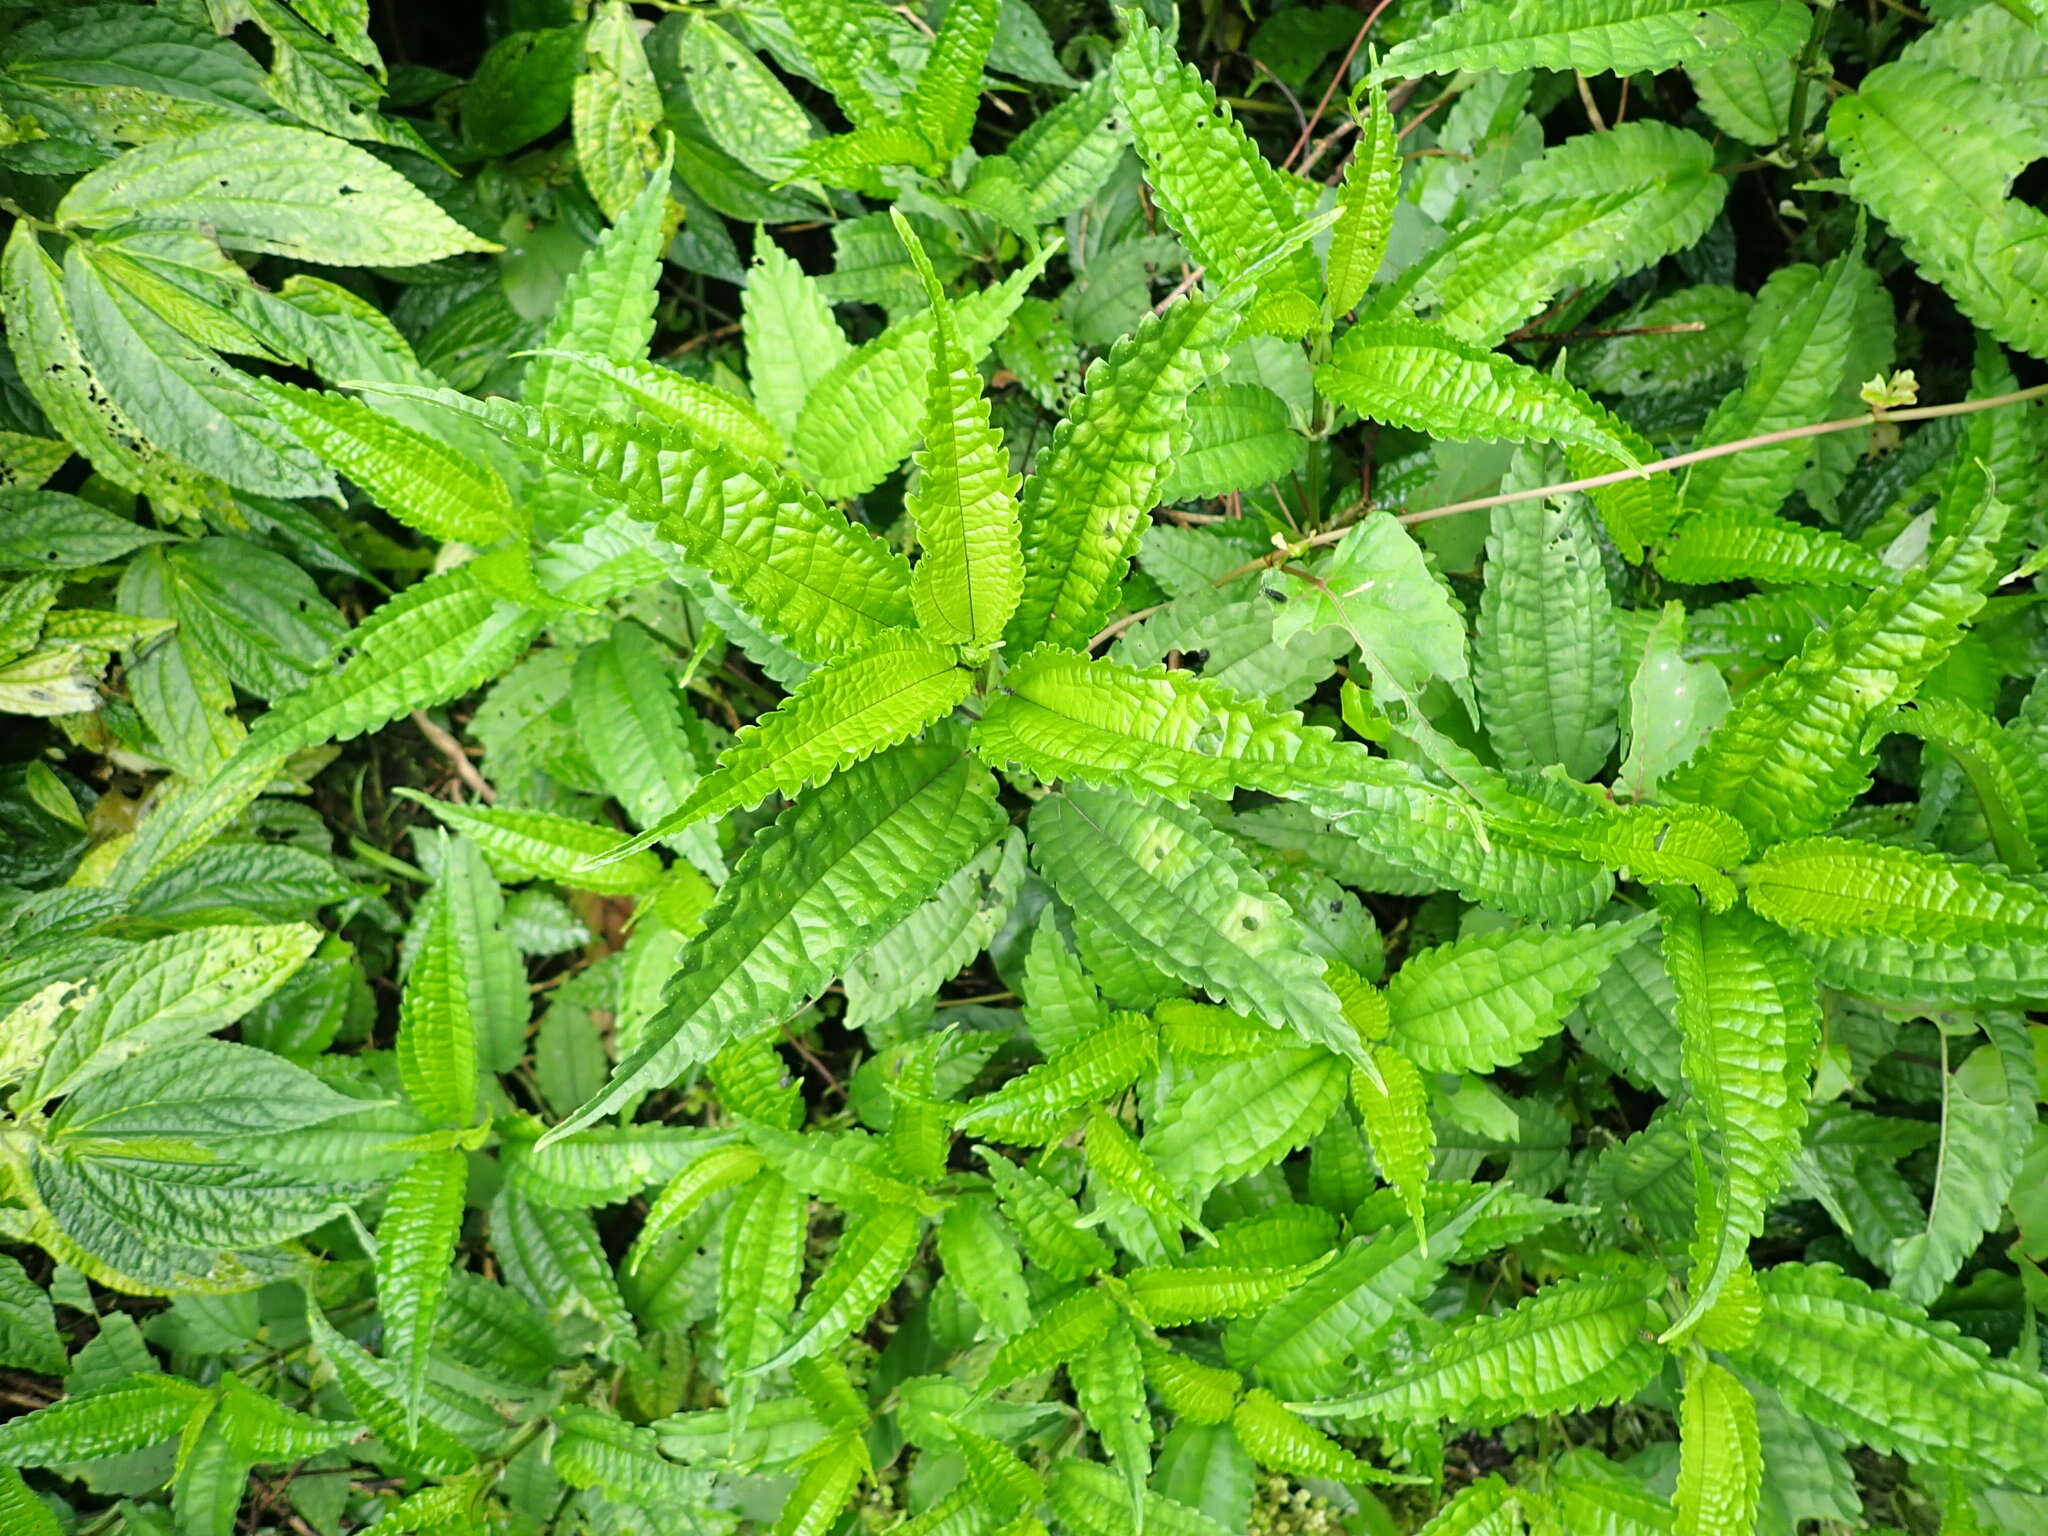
point(1073, 1044)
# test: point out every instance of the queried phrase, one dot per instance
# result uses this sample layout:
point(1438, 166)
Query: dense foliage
point(994, 768)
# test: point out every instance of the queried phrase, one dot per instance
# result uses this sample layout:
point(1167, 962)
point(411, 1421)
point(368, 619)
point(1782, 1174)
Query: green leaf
point(22, 1509)
point(1409, 374)
point(747, 110)
point(1172, 733)
point(521, 89)
point(1593, 36)
point(418, 479)
point(1061, 1330)
point(553, 1258)
point(828, 1485)
point(970, 572)
point(278, 191)
point(1933, 153)
point(838, 869)
point(1372, 188)
point(170, 989)
point(594, 1450)
point(1396, 1115)
point(540, 845)
point(908, 964)
point(949, 87)
point(2010, 781)
point(415, 1248)
point(1038, 1105)
point(1089, 1500)
point(862, 416)
point(1875, 1368)
point(1575, 1344)
point(1378, 588)
point(1243, 438)
point(1749, 1025)
point(1720, 1457)
point(28, 1325)
point(1673, 706)
point(1546, 651)
point(437, 1014)
point(377, 1393)
point(1483, 1002)
point(1712, 547)
point(616, 112)
point(792, 339)
point(872, 1256)
point(760, 1263)
point(1109, 1386)
point(178, 394)
point(633, 390)
point(1794, 754)
point(1046, 1222)
point(1987, 1124)
point(857, 704)
point(1084, 510)
point(122, 1416)
point(1214, 186)
point(64, 382)
point(1594, 208)
point(641, 736)
point(1226, 1117)
point(1308, 1341)
point(1162, 879)
point(1801, 340)
point(982, 1259)
point(1838, 887)
point(1063, 157)
point(811, 578)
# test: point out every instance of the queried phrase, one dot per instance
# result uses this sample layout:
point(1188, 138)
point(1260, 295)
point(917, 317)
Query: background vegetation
point(997, 767)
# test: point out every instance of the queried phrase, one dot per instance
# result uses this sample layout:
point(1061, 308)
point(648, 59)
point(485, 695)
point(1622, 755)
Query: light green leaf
point(1084, 510)
point(1546, 650)
point(176, 988)
point(1215, 188)
point(1933, 153)
point(1593, 36)
point(1749, 1026)
point(1875, 1368)
point(280, 191)
point(857, 704)
point(540, 845)
point(1483, 1002)
point(1162, 879)
point(839, 868)
point(1795, 752)
point(1378, 588)
point(1575, 1344)
point(792, 339)
point(415, 1249)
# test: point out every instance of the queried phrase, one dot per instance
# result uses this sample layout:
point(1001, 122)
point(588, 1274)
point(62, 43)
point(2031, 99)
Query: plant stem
point(1802, 81)
point(1342, 524)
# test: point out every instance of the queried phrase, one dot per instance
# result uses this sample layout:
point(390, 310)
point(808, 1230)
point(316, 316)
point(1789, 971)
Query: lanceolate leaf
point(1792, 755)
point(438, 1027)
point(1721, 1461)
point(1878, 1370)
point(1933, 153)
point(838, 869)
point(415, 1247)
point(1162, 878)
point(1593, 35)
point(1172, 733)
point(970, 572)
point(1372, 186)
point(1547, 655)
point(1844, 887)
point(1749, 1021)
point(1082, 511)
point(853, 706)
point(1573, 1345)
point(1481, 1002)
point(1216, 189)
